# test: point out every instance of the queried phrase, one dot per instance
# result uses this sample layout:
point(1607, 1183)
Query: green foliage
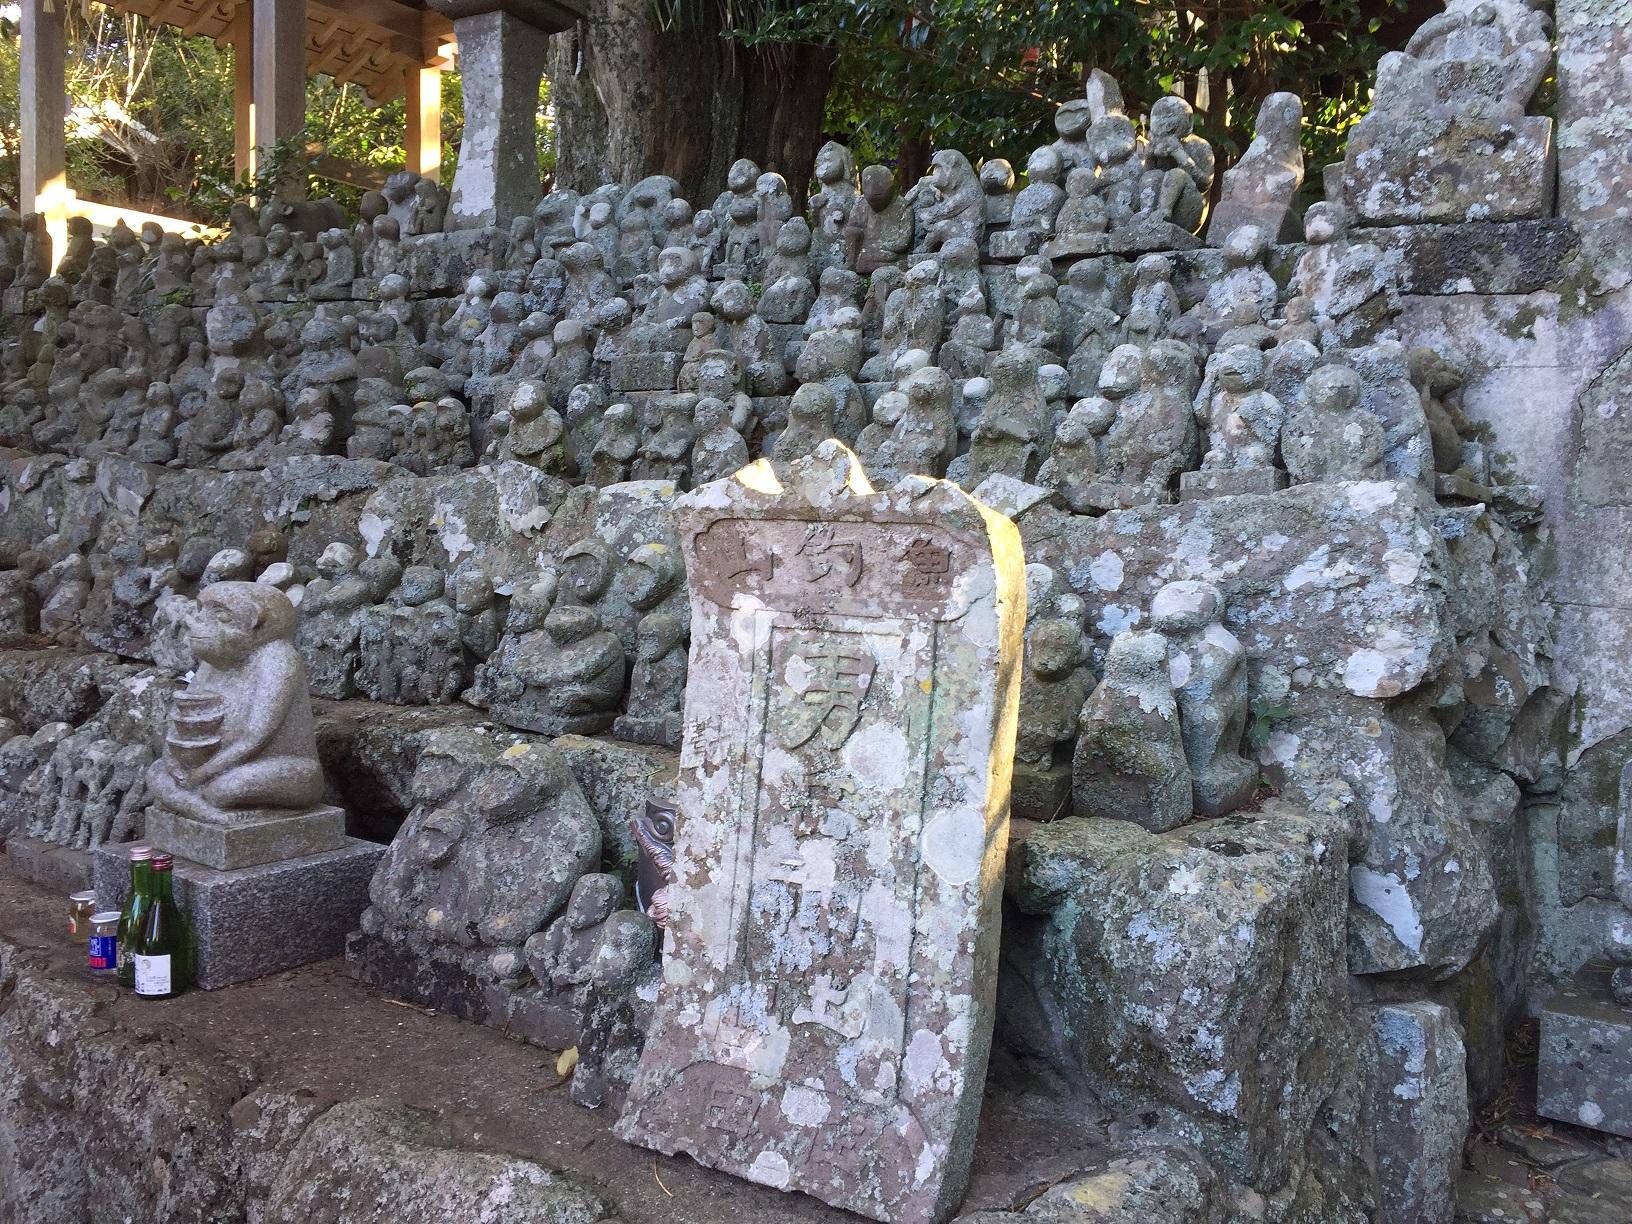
point(151, 123)
point(213, 198)
point(986, 76)
point(1265, 714)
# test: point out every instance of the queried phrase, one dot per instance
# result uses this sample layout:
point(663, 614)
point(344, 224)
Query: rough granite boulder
point(373, 1162)
point(1161, 1185)
point(1198, 973)
point(1343, 581)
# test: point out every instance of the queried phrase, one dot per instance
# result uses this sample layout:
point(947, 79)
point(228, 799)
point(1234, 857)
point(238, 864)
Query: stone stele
point(828, 982)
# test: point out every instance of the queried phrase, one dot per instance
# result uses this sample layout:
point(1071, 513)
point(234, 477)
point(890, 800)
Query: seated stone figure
point(495, 842)
point(566, 679)
point(241, 738)
point(1130, 761)
point(1207, 666)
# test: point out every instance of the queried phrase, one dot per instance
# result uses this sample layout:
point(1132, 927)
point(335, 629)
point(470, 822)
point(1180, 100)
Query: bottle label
point(152, 975)
point(104, 952)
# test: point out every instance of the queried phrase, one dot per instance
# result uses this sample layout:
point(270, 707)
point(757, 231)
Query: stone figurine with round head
point(241, 738)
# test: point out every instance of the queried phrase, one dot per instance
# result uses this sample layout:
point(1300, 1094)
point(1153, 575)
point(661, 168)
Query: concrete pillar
point(501, 62)
point(279, 40)
point(243, 91)
point(424, 108)
point(43, 94)
point(1594, 110)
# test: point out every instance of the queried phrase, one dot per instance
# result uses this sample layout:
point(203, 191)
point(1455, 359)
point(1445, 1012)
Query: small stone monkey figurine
point(654, 835)
point(241, 737)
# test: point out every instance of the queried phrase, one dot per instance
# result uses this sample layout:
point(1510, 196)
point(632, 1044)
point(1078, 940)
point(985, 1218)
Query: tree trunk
point(634, 97)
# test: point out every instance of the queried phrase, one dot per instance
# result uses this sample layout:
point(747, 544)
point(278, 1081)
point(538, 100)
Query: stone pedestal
point(251, 840)
point(48, 864)
point(524, 1010)
point(1466, 168)
point(645, 372)
point(1040, 793)
point(1585, 1072)
point(262, 919)
point(501, 61)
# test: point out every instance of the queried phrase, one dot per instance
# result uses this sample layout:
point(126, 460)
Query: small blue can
point(103, 946)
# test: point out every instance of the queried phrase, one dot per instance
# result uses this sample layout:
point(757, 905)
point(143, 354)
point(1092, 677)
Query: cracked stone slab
point(827, 1003)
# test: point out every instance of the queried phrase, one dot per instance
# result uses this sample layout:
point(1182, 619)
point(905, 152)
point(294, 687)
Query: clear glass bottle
point(81, 905)
point(160, 956)
point(135, 907)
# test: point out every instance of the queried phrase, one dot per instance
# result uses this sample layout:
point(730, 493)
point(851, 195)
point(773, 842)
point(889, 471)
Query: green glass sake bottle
point(161, 954)
point(135, 909)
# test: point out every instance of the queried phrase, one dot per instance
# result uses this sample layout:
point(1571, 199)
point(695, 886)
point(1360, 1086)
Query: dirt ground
point(318, 1030)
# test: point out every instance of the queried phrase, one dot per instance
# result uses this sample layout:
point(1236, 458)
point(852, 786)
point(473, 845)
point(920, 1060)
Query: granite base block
point(263, 919)
point(251, 840)
point(1040, 792)
point(48, 864)
point(1584, 1076)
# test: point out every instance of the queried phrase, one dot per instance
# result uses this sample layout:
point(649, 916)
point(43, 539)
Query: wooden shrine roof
point(371, 43)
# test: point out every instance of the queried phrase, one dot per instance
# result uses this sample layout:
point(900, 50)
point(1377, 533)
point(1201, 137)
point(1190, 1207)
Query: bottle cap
point(106, 916)
point(163, 862)
point(83, 898)
point(140, 851)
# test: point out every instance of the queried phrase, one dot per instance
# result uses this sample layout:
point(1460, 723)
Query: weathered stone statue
point(1180, 165)
point(1207, 667)
point(603, 959)
point(997, 181)
point(1261, 189)
point(831, 204)
point(1243, 423)
point(1031, 222)
point(570, 676)
point(879, 230)
point(924, 438)
point(666, 455)
point(1010, 436)
point(1052, 692)
point(239, 781)
point(789, 292)
point(1149, 437)
point(1458, 92)
point(526, 428)
point(1130, 761)
point(497, 839)
point(616, 448)
point(1331, 436)
point(949, 201)
point(657, 685)
point(810, 423)
point(833, 358)
point(719, 449)
point(913, 319)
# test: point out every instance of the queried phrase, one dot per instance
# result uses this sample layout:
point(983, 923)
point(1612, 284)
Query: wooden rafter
point(372, 43)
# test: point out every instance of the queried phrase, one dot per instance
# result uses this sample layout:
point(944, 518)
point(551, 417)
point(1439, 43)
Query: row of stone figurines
point(1158, 739)
point(592, 645)
point(132, 598)
point(74, 787)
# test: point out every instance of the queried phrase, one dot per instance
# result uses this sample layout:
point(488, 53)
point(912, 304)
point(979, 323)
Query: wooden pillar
point(243, 90)
point(424, 108)
point(43, 95)
point(279, 51)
